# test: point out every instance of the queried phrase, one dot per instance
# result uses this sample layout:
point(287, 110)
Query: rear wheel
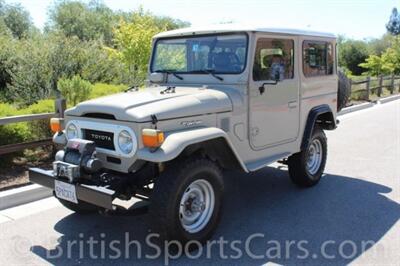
point(186, 201)
point(307, 166)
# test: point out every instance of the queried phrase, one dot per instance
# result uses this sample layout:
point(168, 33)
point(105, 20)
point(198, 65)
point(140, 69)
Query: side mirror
point(157, 77)
point(268, 82)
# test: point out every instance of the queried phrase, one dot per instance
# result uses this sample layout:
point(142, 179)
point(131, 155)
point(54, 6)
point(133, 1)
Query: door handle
point(292, 104)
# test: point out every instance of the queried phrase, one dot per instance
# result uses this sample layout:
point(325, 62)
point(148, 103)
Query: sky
point(357, 19)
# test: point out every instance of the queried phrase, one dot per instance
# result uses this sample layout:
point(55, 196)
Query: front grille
point(102, 139)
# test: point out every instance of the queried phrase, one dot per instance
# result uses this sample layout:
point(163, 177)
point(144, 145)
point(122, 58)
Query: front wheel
point(186, 201)
point(307, 166)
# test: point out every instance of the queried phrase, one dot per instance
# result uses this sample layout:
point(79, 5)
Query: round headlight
point(72, 131)
point(125, 142)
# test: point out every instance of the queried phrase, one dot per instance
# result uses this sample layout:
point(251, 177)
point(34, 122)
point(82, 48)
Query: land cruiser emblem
point(191, 123)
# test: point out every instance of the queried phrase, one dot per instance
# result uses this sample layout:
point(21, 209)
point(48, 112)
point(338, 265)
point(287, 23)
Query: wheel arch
point(213, 142)
point(216, 149)
point(322, 116)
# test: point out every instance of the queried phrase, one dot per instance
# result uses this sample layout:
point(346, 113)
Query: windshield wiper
point(208, 71)
point(170, 72)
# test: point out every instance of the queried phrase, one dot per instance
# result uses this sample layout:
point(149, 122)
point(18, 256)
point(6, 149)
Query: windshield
point(223, 54)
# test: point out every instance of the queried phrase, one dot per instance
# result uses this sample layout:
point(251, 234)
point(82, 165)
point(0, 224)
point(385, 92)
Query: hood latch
point(169, 89)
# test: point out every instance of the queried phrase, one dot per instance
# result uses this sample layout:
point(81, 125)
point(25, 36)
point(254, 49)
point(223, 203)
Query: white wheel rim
point(196, 206)
point(314, 156)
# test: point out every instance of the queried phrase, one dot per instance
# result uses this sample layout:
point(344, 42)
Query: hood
point(138, 106)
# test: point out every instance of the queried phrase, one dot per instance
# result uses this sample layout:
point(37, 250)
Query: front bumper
point(96, 195)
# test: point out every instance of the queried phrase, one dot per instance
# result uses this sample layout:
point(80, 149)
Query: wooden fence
point(375, 85)
point(60, 106)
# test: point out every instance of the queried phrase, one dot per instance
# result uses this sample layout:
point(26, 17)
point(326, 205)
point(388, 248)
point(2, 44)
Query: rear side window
point(317, 58)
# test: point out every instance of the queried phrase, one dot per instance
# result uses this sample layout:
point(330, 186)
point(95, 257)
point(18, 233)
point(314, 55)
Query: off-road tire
point(297, 163)
point(168, 190)
point(81, 208)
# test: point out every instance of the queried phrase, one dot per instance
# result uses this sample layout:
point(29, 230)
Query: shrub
point(12, 133)
point(39, 129)
point(75, 90)
point(26, 131)
point(101, 89)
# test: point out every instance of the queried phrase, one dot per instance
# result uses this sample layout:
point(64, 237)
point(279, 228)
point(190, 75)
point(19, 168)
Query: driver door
point(274, 92)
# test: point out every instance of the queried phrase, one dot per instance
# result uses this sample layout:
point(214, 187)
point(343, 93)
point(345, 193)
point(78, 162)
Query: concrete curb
point(389, 99)
point(355, 108)
point(18, 196)
point(363, 106)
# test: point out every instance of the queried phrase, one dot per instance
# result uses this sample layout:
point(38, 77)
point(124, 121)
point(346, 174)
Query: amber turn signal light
point(152, 138)
point(56, 125)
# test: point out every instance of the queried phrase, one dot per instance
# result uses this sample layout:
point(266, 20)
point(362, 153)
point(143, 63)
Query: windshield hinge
point(154, 120)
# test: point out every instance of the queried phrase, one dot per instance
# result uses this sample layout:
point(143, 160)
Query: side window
point(274, 59)
point(317, 58)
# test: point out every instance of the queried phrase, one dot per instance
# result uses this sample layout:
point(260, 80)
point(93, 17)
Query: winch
point(76, 160)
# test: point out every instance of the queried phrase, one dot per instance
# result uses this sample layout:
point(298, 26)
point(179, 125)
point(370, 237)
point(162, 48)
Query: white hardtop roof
point(224, 28)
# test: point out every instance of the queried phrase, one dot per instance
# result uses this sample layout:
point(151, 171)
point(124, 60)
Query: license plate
point(65, 191)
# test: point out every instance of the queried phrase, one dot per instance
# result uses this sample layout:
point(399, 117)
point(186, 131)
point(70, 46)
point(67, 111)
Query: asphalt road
point(352, 216)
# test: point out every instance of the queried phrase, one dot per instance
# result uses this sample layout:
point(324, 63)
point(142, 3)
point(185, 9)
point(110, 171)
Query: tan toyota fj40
point(217, 98)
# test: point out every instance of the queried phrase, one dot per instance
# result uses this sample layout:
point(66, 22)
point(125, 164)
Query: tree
point(168, 23)
point(28, 70)
point(16, 18)
point(387, 63)
point(132, 40)
point(98, 66)
point(4, 30)
point(86, 21)
point(379, 45)
point(6, 50)
point(74, 44)
point(351, 54)
point(374, 65)
point(133, 44)
point(393, 26)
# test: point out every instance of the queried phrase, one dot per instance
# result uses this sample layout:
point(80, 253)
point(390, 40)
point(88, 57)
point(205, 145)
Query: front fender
point(176, 142)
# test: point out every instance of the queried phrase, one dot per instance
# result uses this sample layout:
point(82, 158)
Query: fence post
point(60, 106)
point(350, 83)
point(399, 83)
point(380, 85)
point(392, 84)
point(368, 87)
